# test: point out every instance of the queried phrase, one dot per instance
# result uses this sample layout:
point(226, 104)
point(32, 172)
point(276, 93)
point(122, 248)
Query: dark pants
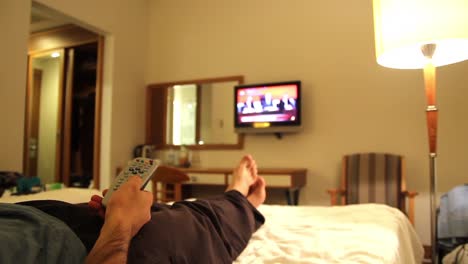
point(214, 230)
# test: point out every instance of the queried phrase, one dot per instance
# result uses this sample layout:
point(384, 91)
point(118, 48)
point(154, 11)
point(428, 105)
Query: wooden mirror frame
point(156, 114)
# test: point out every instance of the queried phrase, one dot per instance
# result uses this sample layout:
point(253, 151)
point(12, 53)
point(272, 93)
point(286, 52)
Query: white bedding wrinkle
point(364, 233)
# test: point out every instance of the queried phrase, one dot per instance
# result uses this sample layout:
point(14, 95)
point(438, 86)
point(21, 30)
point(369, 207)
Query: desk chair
point(167, 184)
point(374, 178)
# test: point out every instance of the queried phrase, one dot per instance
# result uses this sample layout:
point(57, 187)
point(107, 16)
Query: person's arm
point(127, 211)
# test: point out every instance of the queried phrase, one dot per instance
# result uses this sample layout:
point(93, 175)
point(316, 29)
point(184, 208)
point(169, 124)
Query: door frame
point(69, 36)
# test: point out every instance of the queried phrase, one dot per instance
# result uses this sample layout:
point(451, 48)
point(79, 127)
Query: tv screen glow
point(268, 107)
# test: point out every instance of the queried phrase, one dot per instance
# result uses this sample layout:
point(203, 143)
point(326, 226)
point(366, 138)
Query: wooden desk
point(282, 178)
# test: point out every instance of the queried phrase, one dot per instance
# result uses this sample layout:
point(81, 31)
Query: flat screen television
point(267, 107)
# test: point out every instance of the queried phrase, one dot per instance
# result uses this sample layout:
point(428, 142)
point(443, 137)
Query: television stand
point(279, 135)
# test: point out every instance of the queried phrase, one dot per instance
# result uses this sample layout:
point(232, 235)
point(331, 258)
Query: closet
point(63, 102)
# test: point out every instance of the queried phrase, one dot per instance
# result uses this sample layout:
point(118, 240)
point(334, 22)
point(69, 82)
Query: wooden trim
point(59, 137)
point(149, 119)
point(333, 196)
point(155, 116)
point(67, 120)
point(403, 199)
point(198, 113)
point(98, 113)
point(299, 177)
point(238, 78)
point(344, 168)
point(27, 115)
point(239, 145)
point(148, 115)
point(59, 38)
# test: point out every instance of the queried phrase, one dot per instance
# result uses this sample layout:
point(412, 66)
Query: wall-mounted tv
point(267, 107)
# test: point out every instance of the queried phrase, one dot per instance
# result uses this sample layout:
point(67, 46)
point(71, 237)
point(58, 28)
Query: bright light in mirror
point(201, 142)
point(55, 55)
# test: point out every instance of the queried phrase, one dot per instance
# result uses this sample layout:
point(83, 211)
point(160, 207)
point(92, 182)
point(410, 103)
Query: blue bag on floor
point(452, 220)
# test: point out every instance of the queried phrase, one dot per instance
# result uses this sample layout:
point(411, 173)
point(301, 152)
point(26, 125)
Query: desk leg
point(292, 196)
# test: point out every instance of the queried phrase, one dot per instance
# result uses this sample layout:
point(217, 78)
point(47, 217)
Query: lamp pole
point(431, 118)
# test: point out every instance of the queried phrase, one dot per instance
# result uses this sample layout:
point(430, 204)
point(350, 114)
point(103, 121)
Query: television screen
point(268, 107)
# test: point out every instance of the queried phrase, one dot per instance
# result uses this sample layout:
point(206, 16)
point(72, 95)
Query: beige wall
point(124, 23)
point(14, 24)
point(351, 104)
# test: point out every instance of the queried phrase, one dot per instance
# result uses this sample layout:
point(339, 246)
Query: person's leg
point(214, 230)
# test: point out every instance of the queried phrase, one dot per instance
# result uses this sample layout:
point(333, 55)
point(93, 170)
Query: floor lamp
point(422, 34)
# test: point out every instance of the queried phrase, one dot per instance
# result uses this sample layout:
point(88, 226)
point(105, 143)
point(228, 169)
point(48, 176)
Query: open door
point(72, 132)
point(43, 126)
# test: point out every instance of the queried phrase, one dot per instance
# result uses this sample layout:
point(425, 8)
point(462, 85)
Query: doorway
point(62, 129)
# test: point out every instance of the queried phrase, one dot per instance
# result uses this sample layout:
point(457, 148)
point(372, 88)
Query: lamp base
point(433, 204)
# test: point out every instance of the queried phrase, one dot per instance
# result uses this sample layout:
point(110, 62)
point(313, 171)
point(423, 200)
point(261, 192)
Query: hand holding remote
point(142, 167)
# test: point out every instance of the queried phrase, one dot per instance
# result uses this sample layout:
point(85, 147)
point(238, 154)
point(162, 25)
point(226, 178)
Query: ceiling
point(43, 18)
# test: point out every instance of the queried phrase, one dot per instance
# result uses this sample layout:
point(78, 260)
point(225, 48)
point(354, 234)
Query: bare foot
point(244, 175)
point(257, 193)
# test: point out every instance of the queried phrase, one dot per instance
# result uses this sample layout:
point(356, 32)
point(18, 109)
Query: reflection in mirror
point(197, 113)
point(45, 75)
point(182, 114)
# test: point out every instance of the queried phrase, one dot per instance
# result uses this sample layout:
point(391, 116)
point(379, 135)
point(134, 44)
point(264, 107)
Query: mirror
point(43, 115)
point(195, 113)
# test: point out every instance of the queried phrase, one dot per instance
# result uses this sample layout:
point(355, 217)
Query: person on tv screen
point(286, 103)
point(248, 106)
point(268, 103)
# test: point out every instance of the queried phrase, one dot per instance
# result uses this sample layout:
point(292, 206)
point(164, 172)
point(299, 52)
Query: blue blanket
point(28, 235)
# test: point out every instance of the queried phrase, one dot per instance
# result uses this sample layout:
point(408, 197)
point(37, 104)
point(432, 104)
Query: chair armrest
point(334, 195)
point(410, 195)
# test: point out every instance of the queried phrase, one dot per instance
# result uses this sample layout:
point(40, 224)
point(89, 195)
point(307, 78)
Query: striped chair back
point(373, 178)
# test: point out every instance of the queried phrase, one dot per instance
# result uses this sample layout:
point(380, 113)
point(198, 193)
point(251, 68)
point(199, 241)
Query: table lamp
point(422, 34)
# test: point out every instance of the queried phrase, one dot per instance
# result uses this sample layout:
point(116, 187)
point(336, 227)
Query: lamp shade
point(402, 27)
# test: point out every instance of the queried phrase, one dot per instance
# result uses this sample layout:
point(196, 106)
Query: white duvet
point(70, 195)
point(366, 233)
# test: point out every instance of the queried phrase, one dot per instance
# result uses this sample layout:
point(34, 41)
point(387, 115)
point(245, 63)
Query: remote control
point(142, 167)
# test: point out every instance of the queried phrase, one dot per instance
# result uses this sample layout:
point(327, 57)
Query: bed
point(365, 233)
point(69, 195)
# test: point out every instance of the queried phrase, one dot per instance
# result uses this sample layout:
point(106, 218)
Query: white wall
point(48, 112)
point(351, 104)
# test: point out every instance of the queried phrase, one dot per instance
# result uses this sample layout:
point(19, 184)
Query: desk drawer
point(206, 178)
point(273, 180)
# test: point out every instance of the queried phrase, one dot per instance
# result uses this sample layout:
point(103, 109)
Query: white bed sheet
point(366, 233)
point(70, 195)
